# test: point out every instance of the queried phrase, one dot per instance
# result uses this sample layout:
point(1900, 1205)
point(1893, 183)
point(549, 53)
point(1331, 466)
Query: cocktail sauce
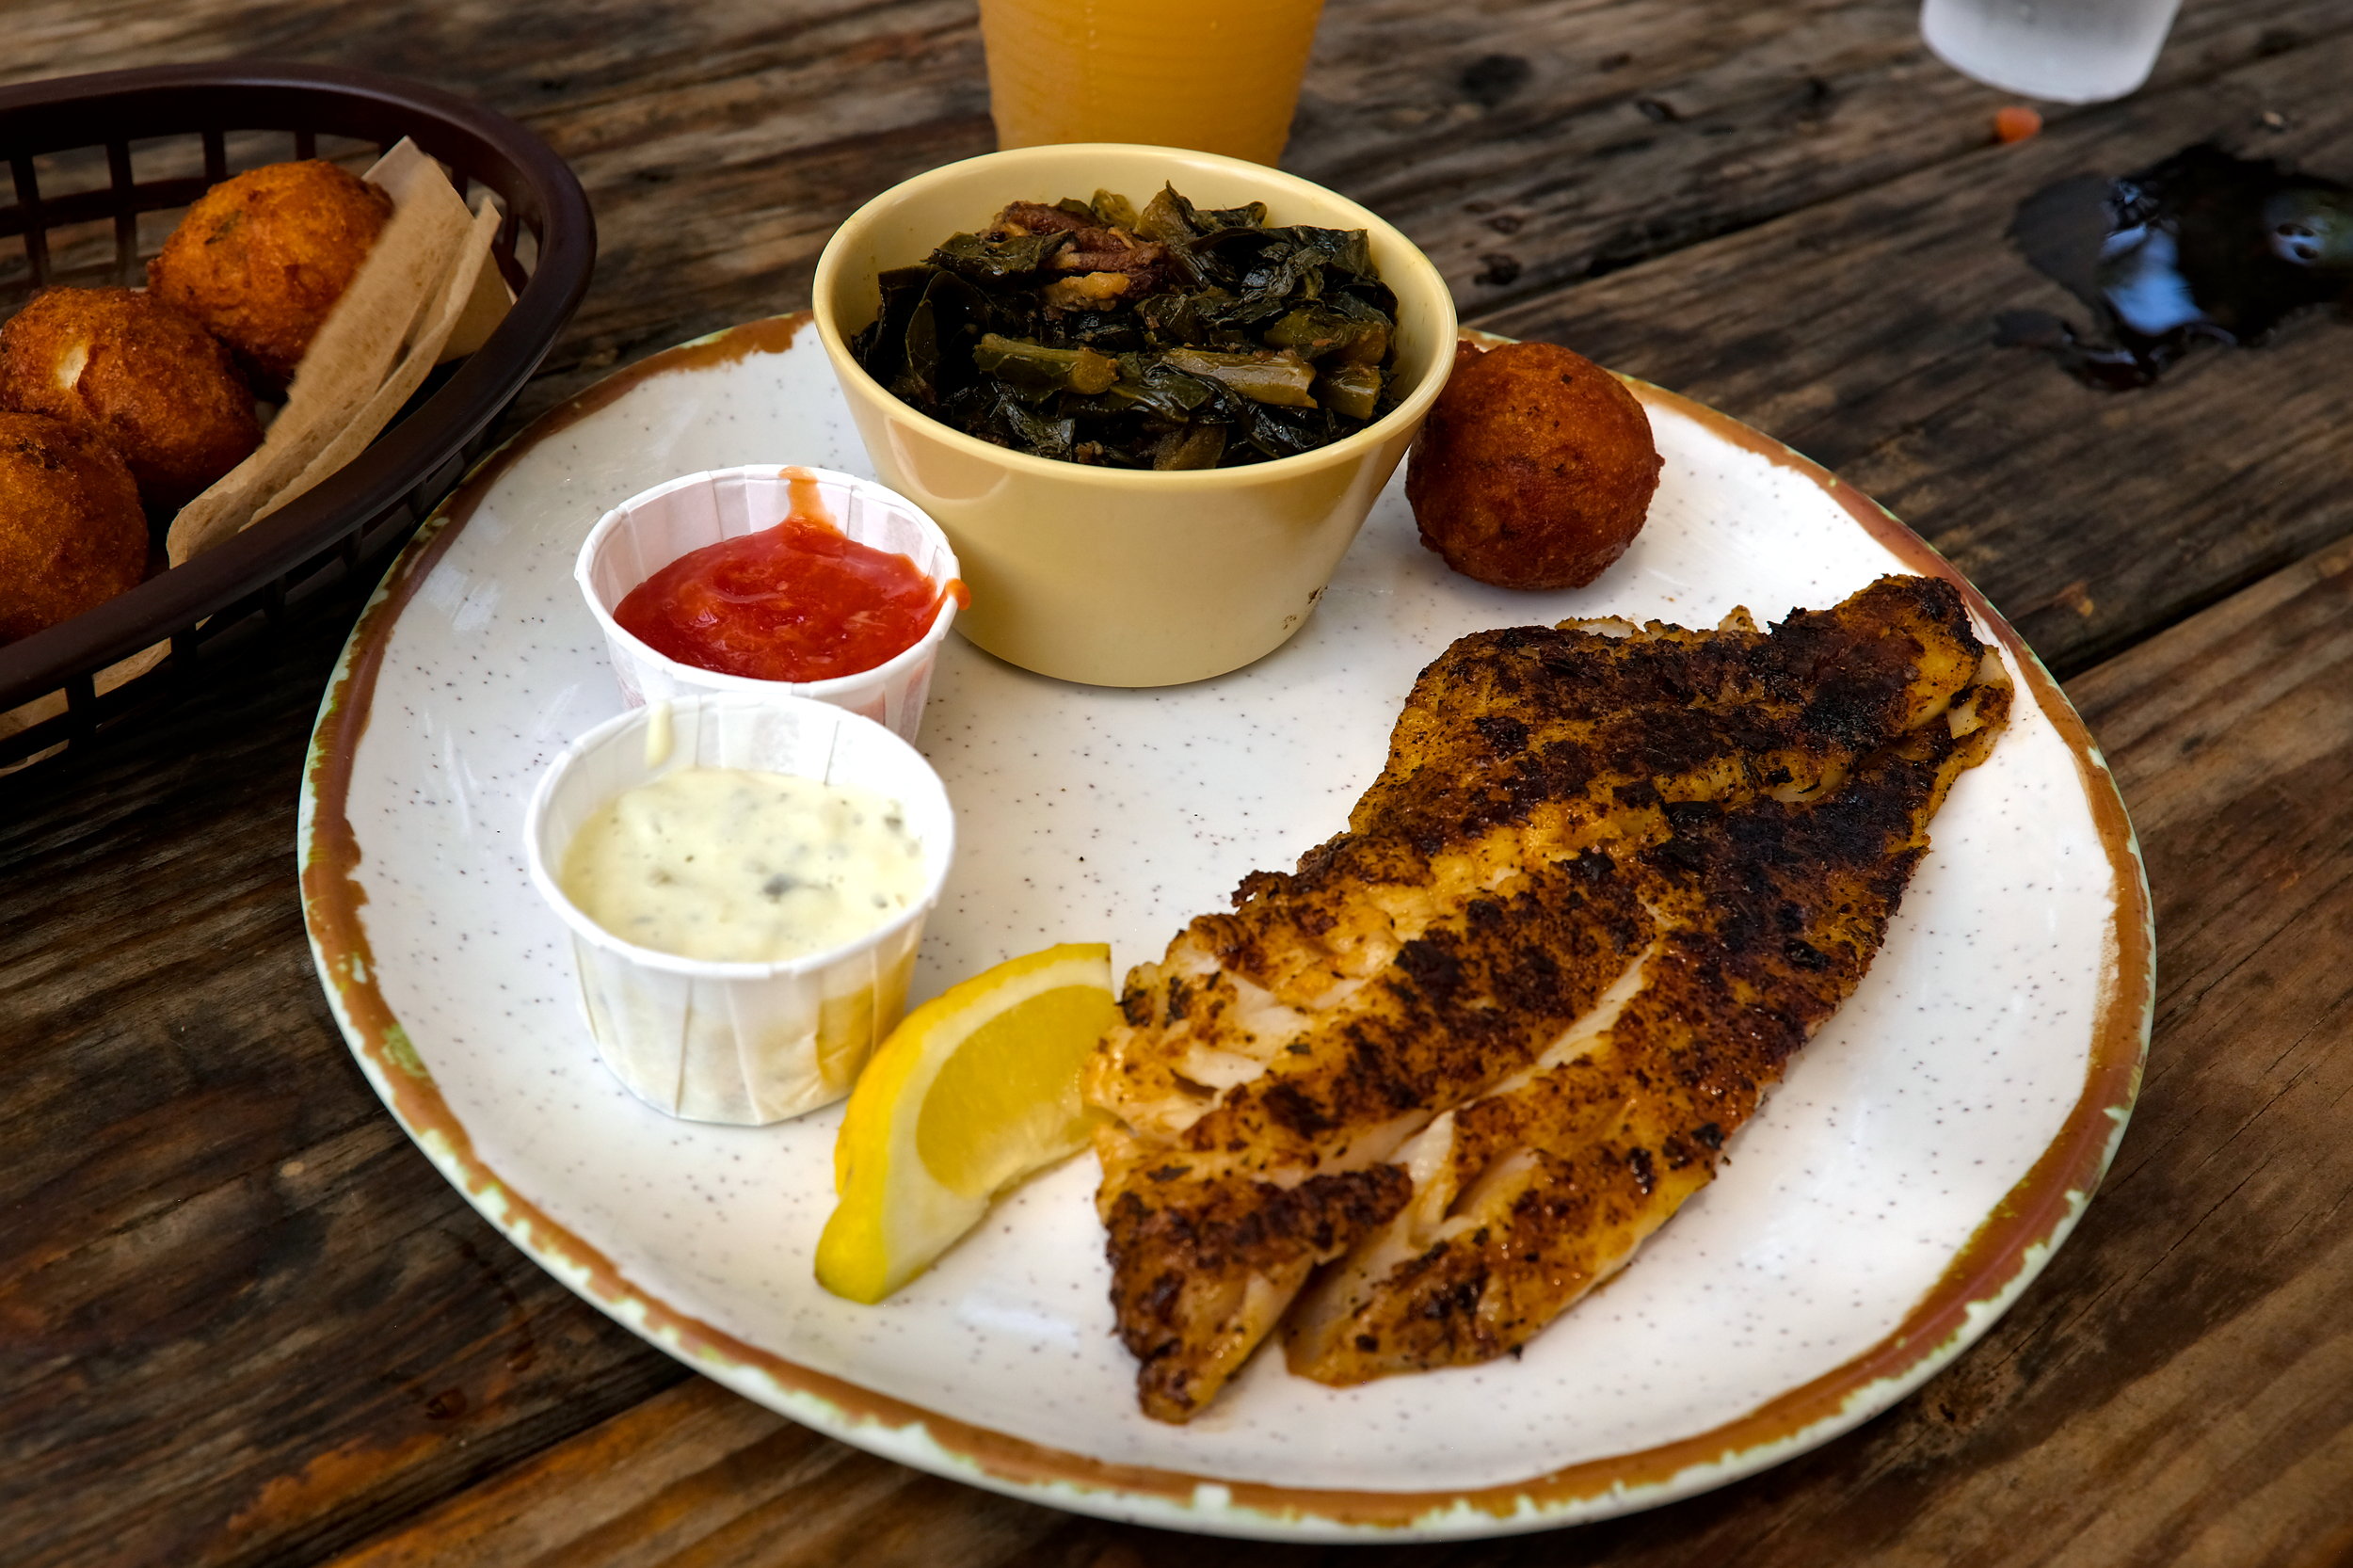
point(799, 601)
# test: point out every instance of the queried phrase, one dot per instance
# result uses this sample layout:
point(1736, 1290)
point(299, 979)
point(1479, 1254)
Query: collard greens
point(1174, 337)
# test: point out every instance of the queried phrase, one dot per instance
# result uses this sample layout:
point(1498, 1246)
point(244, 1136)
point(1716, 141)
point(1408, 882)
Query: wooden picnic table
point(243, 1322)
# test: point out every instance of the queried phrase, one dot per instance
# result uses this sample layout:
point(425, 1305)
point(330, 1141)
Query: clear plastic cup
point(649, 531)
point(1215, 75)
point(2065, 51)
point(746, 1044)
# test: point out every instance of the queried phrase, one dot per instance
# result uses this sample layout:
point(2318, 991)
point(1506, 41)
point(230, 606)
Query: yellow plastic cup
point(1125, 576)
point(1219, 76)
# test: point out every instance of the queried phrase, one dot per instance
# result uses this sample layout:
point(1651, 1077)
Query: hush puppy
point(261, 257)
point(1535, 469)
point(153, 383)
point(71, 533)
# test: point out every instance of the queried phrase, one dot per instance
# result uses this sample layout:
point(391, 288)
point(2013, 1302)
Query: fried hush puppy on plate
point(263, 257)
point(158, 387)
point(71, 533)
point(1535, 469)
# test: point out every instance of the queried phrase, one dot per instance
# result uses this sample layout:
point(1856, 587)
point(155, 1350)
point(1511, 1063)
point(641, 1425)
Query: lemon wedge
point(973, 1091)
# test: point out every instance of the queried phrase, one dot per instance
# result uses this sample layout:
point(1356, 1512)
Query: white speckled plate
point(1929, 1149)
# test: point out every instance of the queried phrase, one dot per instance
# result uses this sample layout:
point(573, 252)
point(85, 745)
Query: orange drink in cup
point(1214, 75)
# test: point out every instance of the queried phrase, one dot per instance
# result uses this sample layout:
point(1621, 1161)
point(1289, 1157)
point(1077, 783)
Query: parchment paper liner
point(423, 295)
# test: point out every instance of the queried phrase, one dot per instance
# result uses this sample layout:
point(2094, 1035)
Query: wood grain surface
point(1885, 369)
point(243, 1322)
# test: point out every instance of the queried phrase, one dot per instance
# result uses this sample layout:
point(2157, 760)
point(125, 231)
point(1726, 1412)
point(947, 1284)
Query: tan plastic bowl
point(1123, 577)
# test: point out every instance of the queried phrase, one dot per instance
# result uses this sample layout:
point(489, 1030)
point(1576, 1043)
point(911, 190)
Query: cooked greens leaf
point(1344, 250)
point(1034, 370)
point(1161, 389)
point(1193, 446)
point(1114, 210)
point(1031, 432)
point(1252, 215)
point(1167, 217)
point(922, 350)
point(1319, 332)
point(1288, 432)
point(998, 259)
point(1174, 337)
point(1281, 377)
point(1350, 388)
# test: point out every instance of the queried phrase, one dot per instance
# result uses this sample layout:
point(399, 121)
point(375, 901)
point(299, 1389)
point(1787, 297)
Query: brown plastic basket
point(201, 124)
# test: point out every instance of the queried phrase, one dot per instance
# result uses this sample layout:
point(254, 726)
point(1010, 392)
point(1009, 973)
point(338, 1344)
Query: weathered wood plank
point(1860, 332)
point(689, 1466)
point(2178, 1387)
point(1628, 130)
point(223, 1269)
point(1522, 145)
point(1564, 173)
point(1569, 161)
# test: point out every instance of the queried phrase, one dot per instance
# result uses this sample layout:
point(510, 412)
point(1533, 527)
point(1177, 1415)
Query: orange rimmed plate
point(1928, 1151)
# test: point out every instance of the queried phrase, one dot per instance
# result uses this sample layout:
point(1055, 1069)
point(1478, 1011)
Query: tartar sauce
point(732, 866)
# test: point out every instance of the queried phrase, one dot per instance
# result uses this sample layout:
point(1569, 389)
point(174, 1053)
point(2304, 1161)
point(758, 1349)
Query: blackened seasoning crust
point(1698, 835)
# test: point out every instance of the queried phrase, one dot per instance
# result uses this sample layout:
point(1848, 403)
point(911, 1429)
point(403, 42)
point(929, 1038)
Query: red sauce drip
point(799, 601)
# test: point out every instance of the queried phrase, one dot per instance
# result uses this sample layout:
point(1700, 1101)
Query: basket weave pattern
point(340, 533)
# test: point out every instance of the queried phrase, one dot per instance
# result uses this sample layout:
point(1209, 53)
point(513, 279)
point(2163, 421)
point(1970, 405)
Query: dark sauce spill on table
point(2203, 246)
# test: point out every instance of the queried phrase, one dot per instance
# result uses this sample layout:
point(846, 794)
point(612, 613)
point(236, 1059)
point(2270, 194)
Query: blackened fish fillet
point(1490, 891)
point(1766, 916)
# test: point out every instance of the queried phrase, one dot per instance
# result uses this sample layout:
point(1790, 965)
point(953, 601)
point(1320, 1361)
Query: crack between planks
point(164, 1207)
point(2175, 1245)
point(2262, 566)
point(1513, 299)
point(767, 53)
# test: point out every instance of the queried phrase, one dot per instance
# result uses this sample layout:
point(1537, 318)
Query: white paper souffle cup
point(649, 531)
point(741, 1043)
